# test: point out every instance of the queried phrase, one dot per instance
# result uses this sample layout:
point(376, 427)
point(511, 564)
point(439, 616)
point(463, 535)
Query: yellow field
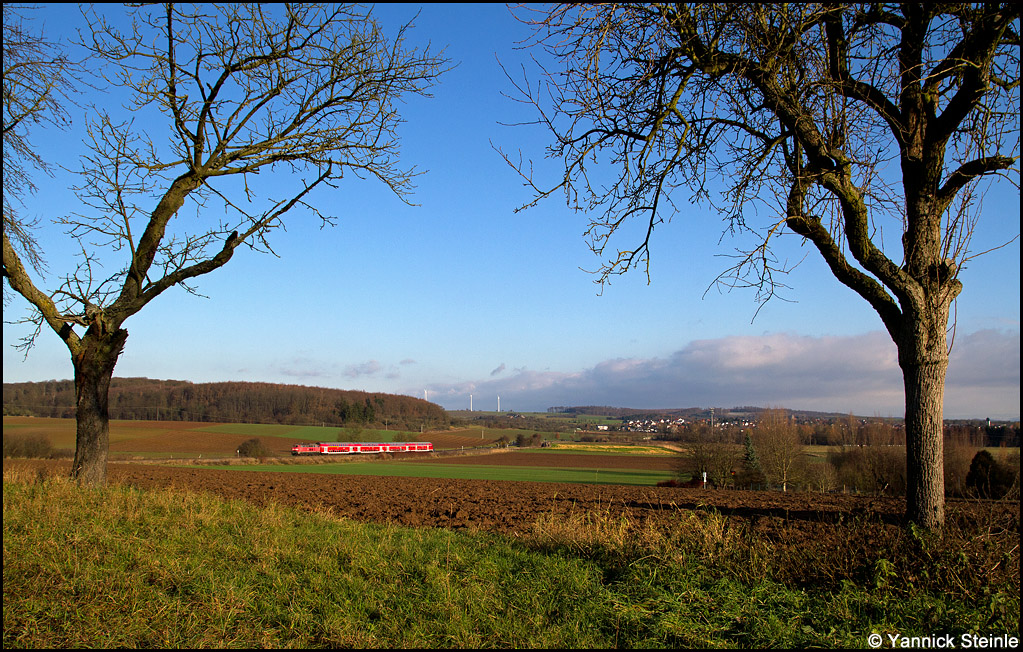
point(616, 449)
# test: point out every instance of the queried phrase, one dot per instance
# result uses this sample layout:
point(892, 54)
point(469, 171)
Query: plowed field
point(790, 519)
point(190, 439)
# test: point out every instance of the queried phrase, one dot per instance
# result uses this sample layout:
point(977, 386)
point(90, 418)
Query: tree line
point(233, 402)
point(851, 431)
point(866, 457)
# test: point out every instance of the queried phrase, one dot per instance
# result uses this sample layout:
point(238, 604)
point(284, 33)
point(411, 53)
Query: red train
point(349, 448)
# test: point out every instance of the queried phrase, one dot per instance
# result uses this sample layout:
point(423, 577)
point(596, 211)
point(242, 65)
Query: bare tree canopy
point(863, 129)
point(38, 78)
point(217, 95)
point(779, 447)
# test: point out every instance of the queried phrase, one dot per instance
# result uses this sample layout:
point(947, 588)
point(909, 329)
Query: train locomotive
point(355, 448)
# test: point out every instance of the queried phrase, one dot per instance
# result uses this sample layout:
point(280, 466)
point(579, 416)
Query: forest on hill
point(232, 402)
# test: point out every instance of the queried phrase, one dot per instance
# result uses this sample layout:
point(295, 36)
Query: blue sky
point(462, 295)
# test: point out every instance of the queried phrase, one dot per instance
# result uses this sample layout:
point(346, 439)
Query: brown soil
point(195, 443)
point(788, 519)
point(189, 439)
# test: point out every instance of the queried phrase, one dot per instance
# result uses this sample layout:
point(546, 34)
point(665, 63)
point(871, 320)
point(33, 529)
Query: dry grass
point(121, 567)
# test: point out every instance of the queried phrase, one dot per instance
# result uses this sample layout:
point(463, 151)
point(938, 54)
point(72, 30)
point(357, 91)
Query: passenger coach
point(349, 448)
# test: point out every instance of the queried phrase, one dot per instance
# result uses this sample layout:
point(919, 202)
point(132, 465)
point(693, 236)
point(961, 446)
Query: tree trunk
point(924, 380)
point(94, 367)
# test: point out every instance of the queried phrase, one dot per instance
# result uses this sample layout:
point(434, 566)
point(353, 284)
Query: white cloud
point(857, 374)
point(301, 368)
point(364, 369)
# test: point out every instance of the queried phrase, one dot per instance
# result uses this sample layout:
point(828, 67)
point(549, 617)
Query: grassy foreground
point(120, 567)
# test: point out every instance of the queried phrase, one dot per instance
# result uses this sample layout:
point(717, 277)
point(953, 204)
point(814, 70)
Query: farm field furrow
point(184, 439)
point(790, 521)
point(506, 507)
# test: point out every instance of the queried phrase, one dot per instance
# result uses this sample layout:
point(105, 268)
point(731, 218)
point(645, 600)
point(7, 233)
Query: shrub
point(27, 446)
point(877, 469)
point(352, 433)
point(957, 466)
point(254, 448)
point(523, 441)
point(821, 476)
point(749, 478)
point(987, 478)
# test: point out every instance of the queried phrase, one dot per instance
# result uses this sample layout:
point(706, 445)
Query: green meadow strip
point(611, 451)
point(466, 472)
point(252, 429)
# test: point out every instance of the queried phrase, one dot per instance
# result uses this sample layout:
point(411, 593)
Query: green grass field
point(466, 472)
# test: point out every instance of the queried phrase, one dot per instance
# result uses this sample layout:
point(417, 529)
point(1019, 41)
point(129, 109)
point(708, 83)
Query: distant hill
point(747, 411)
point(235, 402)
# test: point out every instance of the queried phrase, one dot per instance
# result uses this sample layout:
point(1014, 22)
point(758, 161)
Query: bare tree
point(842, 123)
point(712, 453)
point(779, 447)
point(218, 94)
point(38, 79)
point(696, 455)
point(821, 476)
point(723, 460)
